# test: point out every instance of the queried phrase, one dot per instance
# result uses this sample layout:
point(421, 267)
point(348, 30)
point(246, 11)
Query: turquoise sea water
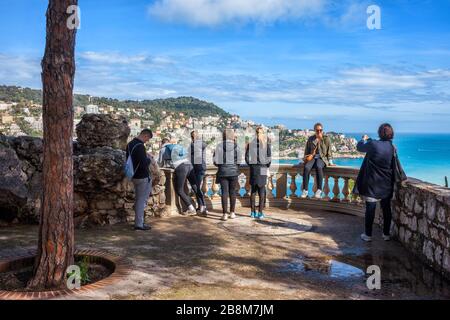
point(423, 156)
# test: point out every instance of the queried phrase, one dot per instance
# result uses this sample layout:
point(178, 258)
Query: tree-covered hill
point(188, 105)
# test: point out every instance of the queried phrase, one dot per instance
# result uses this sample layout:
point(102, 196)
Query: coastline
point(339, 156)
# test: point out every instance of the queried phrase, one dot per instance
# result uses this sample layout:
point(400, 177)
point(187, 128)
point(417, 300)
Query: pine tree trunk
point(56, 234)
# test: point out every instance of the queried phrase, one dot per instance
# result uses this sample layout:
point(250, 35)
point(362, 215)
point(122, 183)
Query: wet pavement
point(290, 255)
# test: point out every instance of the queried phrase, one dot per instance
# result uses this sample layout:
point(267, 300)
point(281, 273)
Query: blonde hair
point(262, 137)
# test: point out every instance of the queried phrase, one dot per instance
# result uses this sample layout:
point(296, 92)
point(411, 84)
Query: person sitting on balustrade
point(318, 155)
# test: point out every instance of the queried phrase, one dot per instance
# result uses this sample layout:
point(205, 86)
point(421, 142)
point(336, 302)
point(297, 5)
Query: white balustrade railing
point(284, 189)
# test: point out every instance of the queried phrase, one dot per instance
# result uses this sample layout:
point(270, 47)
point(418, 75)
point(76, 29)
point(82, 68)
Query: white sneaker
point(191, 210)
point(318, 194)
point(304, 194)
point(366, 238)
point(233, 215)
point(225, 217)
point(386, 238)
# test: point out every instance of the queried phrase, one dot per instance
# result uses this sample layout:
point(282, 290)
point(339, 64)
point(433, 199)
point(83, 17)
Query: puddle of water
point(401, 275)
point(325, 267)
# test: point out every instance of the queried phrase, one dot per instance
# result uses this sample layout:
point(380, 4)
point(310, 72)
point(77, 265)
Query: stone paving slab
point(291, 255)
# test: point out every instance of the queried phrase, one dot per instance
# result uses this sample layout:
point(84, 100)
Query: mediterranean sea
point(424, 156)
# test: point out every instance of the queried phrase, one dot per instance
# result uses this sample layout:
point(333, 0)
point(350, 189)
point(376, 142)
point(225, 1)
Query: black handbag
point(399, 173)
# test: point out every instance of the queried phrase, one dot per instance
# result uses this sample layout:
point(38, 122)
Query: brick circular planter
point(118, 266)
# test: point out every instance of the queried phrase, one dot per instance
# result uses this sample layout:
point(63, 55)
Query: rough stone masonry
point(102, 194)
point(422, 222)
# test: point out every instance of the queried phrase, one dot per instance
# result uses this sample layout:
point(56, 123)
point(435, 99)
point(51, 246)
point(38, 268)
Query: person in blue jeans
point(142, 180)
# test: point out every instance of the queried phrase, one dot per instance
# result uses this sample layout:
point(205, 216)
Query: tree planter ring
point(119, 267)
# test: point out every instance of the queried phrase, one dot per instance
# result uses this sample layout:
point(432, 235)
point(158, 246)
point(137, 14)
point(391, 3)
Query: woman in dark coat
point(227, 157)
point(375, 181)
point(258, 155)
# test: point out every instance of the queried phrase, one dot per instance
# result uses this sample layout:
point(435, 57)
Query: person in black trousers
point(258, 155)
point(174, 156)
point(227, 157)
point(197, 152)
point(375, 182)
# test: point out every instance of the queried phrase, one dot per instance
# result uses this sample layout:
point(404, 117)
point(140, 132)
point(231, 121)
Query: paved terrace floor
point(291, 255)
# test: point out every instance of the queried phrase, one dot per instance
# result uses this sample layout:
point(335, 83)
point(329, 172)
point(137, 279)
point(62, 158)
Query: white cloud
point(118, 58)
point(216, 12)
point(144, 76)
point(19, 70)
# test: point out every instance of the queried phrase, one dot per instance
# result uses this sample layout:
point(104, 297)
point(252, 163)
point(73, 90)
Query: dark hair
point(147, 132)
point(386, 132)
point(318, 124)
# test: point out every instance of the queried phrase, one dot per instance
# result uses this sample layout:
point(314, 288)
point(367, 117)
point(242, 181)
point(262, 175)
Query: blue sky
point(275, 61)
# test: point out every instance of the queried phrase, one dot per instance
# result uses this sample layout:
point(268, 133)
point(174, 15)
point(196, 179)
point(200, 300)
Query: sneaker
point(143, 228)
point(253, 215)
point(318, 194)
point(304, 194)
point(261, 216)
point(233, 215)
point(225, 217)
point(386, 238)
point(366, 238)
point(191, 210)
point(202, 212)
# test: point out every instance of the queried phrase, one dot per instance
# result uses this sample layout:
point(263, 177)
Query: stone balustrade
point(283, 189)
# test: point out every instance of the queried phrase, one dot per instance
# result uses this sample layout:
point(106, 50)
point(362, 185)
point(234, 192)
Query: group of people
point(374, 184)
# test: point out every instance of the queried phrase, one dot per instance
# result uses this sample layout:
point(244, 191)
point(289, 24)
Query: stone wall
point(422, 222)
point(102, 194)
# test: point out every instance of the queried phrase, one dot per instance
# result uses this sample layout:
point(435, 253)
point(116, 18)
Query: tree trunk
point(56, 234)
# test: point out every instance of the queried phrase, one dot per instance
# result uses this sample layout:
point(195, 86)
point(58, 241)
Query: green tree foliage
point(188, 105)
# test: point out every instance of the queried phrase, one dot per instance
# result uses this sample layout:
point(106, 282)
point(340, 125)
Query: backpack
point(129, 167)
point(173, 153)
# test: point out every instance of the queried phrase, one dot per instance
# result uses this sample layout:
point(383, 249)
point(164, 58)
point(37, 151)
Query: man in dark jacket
point(141, 179)
point(197, 152)
point(375, 182)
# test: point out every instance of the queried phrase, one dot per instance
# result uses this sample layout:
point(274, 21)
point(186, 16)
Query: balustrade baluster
point(346, 191)
point(293, 186)
point(281, 185)
point(215, 189)
point(336, 190)
point(270, 187)
point(248, 188)
point(326, 188)
point(315, 187)
point(205, 187)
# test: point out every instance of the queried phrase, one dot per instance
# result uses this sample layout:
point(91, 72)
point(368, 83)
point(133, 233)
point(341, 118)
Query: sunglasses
point(319, 130)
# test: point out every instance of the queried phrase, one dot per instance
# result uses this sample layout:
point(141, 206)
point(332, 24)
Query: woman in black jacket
point(375, 182)
point(258, 155)
point(227, 157)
